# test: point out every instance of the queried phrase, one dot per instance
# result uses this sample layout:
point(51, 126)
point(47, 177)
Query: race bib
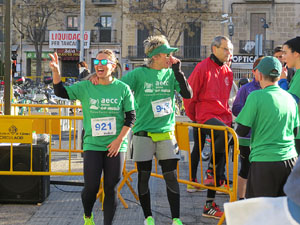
point(162, 107)
point(104, 126)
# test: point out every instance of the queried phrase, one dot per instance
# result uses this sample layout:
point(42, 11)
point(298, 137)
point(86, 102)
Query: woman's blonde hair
point(151, 43)
point(113, 58)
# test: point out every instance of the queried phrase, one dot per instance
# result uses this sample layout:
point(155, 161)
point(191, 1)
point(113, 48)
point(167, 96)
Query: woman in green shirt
point(106, 128)
point(154, 87)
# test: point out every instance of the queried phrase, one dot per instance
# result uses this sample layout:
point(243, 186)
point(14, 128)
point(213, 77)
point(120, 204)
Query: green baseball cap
point(270, 66)
point(165, 48)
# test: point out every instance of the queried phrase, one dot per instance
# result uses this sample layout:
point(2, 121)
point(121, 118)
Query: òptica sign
point(244, 58)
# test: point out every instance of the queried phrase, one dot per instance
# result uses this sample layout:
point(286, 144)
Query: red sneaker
point(209, 180)
point(212, 211)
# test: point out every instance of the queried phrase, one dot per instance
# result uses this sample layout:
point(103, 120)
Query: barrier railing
point(15, 130)
point(183, 140)
point(18, 129)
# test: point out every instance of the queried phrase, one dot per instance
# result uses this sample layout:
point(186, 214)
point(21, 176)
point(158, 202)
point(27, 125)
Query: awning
point(14, 48)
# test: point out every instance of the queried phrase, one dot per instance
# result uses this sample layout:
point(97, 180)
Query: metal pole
point(7, 64)
point(82, 15)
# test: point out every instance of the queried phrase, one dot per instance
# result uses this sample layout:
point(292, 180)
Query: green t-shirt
point(154, 94)
point(295, 88)
point(103, 108)
point(244, 141)
point(272, 115)
point(295, 84)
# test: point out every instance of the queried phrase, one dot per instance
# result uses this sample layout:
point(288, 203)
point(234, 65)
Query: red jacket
point(211, 86)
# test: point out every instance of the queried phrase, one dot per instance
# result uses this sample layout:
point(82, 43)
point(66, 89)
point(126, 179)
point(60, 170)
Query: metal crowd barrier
point(18, 129)
point(183, 140)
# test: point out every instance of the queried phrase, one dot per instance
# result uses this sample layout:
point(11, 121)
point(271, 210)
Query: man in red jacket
point(211, 82)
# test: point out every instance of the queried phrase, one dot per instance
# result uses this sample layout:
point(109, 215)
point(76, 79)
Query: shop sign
point(67, 39)
point(12, 131)
point(32, 55)
point(68, 52)
point(244, 58)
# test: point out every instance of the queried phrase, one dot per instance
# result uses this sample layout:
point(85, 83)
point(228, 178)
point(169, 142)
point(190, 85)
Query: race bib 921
point(103, 126)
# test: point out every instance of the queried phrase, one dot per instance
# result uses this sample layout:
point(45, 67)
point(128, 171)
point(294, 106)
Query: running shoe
point(211, 210)
point(177, 221)
point(89, 221)
point(209, 180)
point(191, 189)
point(149, 221)
point(225, 187)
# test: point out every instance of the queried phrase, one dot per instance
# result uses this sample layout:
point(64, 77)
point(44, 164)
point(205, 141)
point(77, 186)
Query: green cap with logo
point(270, 66)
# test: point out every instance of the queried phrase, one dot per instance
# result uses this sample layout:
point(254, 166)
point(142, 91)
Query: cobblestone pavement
point(63, 206)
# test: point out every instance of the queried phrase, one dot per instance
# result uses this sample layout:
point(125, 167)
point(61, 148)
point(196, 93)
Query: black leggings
point(94, 163)
point(144, 170)
point(219, 139)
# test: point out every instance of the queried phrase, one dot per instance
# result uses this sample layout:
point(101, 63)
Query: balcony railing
point(190, 5)
point(248, 47)
point(184, 52)
point(142, 6)
point(104, 2)
point(256, 1)
point(104, 35)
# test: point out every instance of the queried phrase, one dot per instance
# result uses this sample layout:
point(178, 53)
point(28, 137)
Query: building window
point(105, 28)
point(72, 22)
point(192, 41)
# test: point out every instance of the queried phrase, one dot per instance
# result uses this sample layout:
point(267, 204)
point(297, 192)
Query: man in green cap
point(272, 115)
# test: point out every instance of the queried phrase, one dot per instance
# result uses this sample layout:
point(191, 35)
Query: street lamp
point(265, 26)
point(230, 25)
point(98, 25)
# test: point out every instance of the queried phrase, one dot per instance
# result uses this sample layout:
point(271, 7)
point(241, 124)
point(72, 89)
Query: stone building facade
point(111, 26)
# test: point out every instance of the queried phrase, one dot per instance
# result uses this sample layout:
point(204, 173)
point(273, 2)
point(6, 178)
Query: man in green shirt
point(272, 115)
point(291, 55)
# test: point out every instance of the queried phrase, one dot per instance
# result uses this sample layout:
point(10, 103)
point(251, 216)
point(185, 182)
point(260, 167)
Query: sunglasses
point(103, 62)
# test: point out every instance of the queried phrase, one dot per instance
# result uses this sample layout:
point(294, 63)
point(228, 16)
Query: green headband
point(165, 48)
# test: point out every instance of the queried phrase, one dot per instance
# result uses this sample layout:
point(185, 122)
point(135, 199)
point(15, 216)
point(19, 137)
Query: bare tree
point(31, 19)
point(170, 17)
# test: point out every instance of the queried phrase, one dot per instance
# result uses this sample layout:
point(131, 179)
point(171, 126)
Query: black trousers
point(219, 140)
point(266, 179)
point(94, 163)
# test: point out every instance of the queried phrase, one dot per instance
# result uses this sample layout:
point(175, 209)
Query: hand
point(55, 68)
point(94, 79)
point(174, 60)
point(54, 63)
point(114, 147)
point(284, 73)
point(176, 63)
